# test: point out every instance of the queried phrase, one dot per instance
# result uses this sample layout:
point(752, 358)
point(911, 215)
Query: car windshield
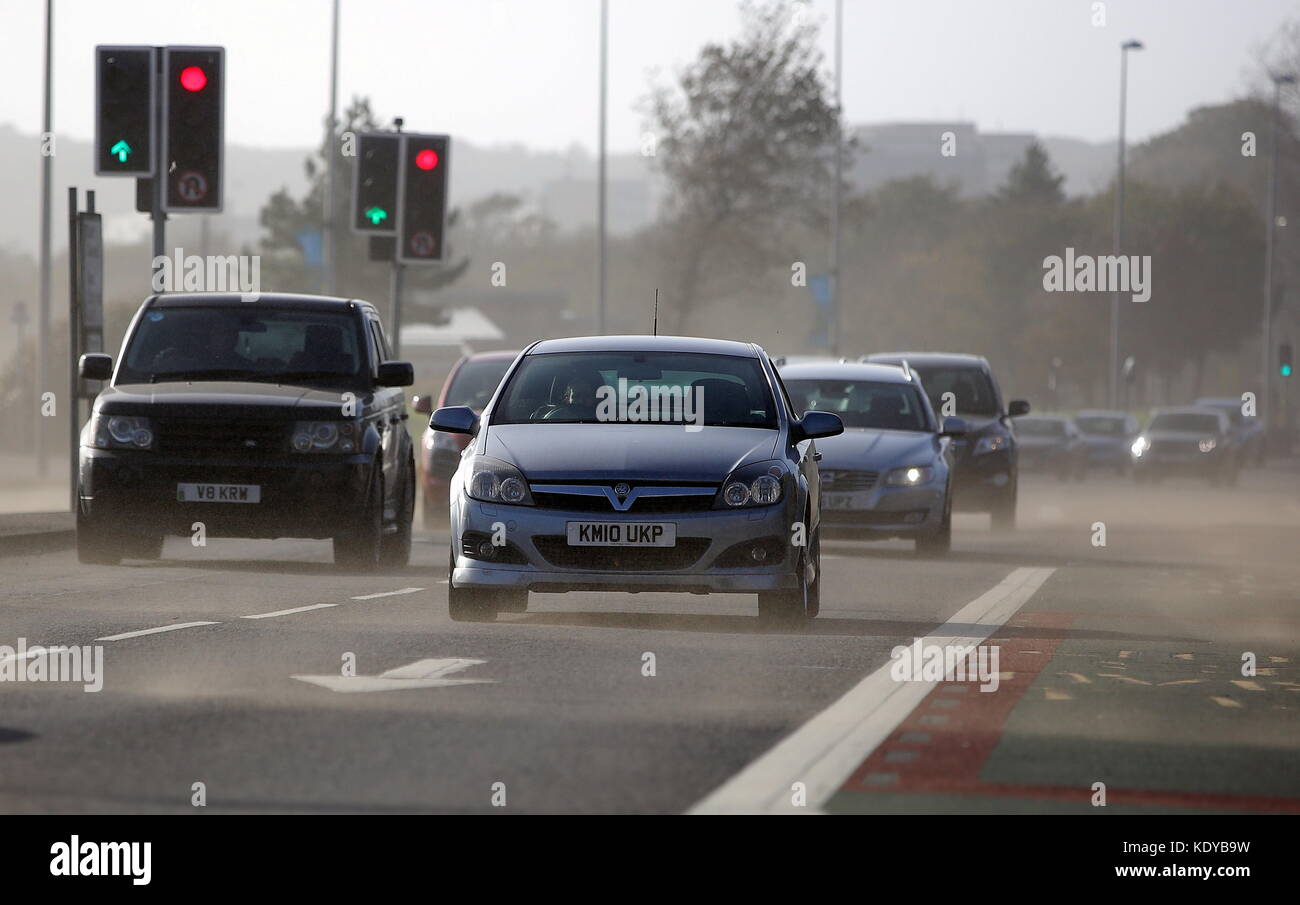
point(971, 388)
point(862, 403)
point(475, 381)
point(1110, 427)
point(1231, 408)
point(244, 343)
point(1190, 423)
point(636, 387)
point(1040, 427)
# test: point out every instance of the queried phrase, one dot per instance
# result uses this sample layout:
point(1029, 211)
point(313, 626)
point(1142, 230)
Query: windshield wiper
point(211, 374)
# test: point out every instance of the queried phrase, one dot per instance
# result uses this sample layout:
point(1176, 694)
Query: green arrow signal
point(376, 214)
point(122, 150)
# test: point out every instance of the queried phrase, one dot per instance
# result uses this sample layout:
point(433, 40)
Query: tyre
point(359, 547)
point(142, 546)
point(1003, 514)
point(395, 552)
point(800, 604)
point(939, 543)
point(96, 546)
point(471, 604)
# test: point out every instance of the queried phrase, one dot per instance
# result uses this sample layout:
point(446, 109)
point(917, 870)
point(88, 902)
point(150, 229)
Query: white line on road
point(826, 750)
point(388, 594)
point(297, 609)
point(154, 631)
point(428, 673)
point(34, 651)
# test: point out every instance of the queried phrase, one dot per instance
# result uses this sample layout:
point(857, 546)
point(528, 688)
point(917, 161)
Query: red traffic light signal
point(426, 159)
point(193, 78)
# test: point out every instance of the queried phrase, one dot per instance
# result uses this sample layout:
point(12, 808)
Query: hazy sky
point(495, 71)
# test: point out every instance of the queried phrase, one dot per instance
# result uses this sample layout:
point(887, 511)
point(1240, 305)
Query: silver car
point(890, 473)
point(636, 463)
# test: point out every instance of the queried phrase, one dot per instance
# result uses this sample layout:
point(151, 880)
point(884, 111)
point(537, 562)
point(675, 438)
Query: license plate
point(838, 501)
point(622, 534)
point(219, 493)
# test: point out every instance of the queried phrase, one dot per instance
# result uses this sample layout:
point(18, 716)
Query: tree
point(746, 143)
point(1033, 179)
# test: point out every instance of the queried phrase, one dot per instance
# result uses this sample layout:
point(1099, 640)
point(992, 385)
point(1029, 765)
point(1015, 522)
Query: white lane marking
point(388, 594)
point(429, 673)
point(825, 751)
point(154, 631)
point(297, 609)
point(34, 651)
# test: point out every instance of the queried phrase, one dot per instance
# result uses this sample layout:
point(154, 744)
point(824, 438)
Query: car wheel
point(359, 547)
point(95, 546)
point(470, 604)
point(143, 546)
point(396, 547)
point(1003, 515)
point(802, 603)
point(940, 542)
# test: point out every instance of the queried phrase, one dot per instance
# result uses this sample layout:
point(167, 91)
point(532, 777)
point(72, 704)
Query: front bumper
point(301, 496)
point(885, 512)
point(706, 543)
point(984, 481)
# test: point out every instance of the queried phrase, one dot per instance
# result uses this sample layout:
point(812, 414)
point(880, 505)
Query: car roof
point(1101, 413)
point(829, 370)
point(265, 299)
point(1187, 410)
point(1058, 418)
point(930, 358)
point(494, 355)
point(634, 343)
point(1218, 401)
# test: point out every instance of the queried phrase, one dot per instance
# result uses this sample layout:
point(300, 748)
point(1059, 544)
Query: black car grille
point(1174, 447)
point(834, 481)
point(647, 505)
point(555, 548)
point(203, 437)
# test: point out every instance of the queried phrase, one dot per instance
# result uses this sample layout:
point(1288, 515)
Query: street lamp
point(1112, 381)
point(1280, 79)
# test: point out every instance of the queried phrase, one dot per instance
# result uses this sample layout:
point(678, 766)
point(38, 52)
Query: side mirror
point(1017, 408)
point(954, 427)
point(94, 366)
point(395, 374)
point(454, 419)
point(814, 425)
point(422, 404)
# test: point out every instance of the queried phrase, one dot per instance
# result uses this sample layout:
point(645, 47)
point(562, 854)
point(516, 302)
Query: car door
point(390, 420)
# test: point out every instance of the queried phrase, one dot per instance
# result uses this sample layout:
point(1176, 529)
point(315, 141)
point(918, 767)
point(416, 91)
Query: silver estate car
point(890, 473)
point(636, 463)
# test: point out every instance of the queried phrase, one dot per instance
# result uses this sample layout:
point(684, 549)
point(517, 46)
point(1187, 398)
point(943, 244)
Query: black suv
point(987, 470)
point(280, 417)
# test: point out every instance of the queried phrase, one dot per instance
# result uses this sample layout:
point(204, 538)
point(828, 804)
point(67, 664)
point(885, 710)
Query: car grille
point(646, 505)
point(1173, 447)
point(204, 437)
point(848, 481)
point(555, 548)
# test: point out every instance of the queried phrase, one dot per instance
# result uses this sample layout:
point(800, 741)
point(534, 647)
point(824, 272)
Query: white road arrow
point(420, 674)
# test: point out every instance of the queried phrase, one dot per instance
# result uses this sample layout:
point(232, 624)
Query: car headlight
point(494, 481)
point(1207, 445)
point(118, 432)
point(325, 436)
point(990, 443)
point(753, 485)
point(909, 476)
point(1140, 445)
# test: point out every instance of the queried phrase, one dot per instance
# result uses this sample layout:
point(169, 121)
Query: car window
point(634, 387)
point(1040, 427)
point(475, 381)
point(1111, 427)
point(244, 343)
point(864, 403)
point(1185, 422)
point(973, 391)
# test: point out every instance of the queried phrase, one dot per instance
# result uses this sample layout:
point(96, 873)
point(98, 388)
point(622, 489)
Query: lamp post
point(1269, 227)
point(1112, 380)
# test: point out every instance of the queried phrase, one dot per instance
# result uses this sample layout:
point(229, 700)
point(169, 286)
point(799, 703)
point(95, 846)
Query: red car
point(472, 382)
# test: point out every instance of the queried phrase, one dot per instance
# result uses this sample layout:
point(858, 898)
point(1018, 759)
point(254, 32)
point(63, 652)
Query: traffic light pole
point(156, 213)
point(395, 338)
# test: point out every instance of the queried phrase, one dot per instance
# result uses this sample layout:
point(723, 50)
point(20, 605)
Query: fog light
point(758, 553)
point(486, 550)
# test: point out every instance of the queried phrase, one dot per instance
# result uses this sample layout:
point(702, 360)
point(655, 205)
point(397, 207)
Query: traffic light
point(125, 94)
point(423, 195)
point(1284, 360)
point(193, 111)
point(374, 185)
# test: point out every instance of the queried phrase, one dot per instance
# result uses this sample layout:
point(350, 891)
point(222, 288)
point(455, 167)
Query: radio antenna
point(655, 329)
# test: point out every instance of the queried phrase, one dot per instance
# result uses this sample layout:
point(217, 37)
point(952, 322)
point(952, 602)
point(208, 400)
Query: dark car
point(572, 482)
point(987, 464)
point(890, 473)
point(1248, 431)
point(472, 381)
point(1188, 441)
point(280, 417)
point(1109, 436)
point(1052, 444)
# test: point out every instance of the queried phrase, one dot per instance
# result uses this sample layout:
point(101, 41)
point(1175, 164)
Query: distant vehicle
point(890, 473)
point(472, 381)
point(987, 463)
point(1249, 433)
point(277, 418)
point(560, 490)
point(782, 360)
point(1109, 436)
point(1052, 443)
point(1186, 441)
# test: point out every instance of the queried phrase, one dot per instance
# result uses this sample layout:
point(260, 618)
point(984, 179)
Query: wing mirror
point(814, 425)
point(1017, 408)
point(94, 366)
point(454, 419)
point(954, 427)
point(422, 403)
point(395, 374)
